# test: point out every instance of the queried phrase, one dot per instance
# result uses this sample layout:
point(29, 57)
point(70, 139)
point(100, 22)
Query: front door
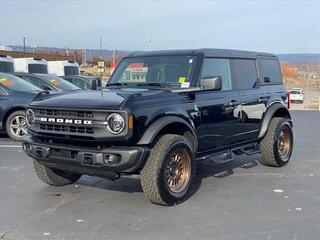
point(219, 126)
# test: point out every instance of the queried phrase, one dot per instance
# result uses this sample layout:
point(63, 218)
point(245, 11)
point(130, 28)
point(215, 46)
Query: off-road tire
point(54, 177)
point(153, 179)
point(269, 145)
point(189, 136)
point(7, 124)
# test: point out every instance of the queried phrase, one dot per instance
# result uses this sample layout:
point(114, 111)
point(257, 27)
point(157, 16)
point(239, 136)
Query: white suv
point(296, 95)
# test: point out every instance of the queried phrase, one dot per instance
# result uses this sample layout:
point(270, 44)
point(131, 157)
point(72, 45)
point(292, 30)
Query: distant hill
point(107, 53)
point(299, 57)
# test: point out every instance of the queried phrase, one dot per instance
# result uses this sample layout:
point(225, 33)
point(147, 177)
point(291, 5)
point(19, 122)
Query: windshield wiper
point(153, 84)
point(116, 84)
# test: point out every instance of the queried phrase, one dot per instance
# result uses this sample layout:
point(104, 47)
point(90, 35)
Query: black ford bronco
point(159, 114)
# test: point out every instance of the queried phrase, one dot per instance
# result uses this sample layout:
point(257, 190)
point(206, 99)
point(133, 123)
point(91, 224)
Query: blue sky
point(272, 26)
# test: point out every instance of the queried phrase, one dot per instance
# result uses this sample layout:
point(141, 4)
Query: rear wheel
point(54, 177)
point(16, 125)
point(169, 172)
point(276, 146)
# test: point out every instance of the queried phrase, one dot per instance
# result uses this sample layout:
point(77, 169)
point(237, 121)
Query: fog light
point(110, 159)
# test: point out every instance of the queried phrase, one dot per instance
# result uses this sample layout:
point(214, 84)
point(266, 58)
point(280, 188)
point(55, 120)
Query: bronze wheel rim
point(178, 171)
point(284, 143)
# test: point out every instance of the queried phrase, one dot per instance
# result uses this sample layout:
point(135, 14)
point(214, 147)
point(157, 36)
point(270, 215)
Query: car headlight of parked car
point(30, 117)
point(116, 123)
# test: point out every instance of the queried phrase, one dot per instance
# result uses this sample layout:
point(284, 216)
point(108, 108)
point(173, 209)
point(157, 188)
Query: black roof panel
point(208, 52)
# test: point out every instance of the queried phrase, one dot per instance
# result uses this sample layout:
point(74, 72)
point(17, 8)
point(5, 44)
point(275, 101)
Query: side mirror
point(94, 84)
point(46, 88)
point(211, 83)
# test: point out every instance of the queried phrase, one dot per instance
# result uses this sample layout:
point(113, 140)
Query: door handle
point(233, 103)
point(263, 99)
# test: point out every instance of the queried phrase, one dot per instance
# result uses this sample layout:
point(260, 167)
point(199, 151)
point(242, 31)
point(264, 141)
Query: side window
point(79, 83)
point(245, 73)
point(270, 71)
point(37, 82)
point(218, 67)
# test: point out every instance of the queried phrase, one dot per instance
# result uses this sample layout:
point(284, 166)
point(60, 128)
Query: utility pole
point(101, 56)
point(101, 47)
point(149, 43)
point(85, 58)
point(113, 55)
point(24, 44)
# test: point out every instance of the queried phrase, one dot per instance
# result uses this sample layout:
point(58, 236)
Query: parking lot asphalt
point(230, 202)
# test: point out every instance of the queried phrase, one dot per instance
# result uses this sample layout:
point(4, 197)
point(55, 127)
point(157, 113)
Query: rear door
point(253, 99)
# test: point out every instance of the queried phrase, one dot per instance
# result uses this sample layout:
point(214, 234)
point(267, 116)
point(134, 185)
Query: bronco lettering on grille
point(65, 120)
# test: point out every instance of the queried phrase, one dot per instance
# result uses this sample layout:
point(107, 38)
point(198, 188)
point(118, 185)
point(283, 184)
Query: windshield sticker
point(190, 60)
point(182, 79)
point(3, 80)
point(185, 85)
point(55, 82)
point(6, 82)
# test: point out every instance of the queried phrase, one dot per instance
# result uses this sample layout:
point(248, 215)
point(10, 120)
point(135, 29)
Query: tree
point(288, 70)
point(78, 56)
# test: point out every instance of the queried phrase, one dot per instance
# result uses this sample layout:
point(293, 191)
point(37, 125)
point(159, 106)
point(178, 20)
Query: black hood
point(92, 99)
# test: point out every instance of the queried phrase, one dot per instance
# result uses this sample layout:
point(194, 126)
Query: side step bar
point(229, 154)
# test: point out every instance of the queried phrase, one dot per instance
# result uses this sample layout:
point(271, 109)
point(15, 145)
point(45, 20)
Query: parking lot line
point(10, 146)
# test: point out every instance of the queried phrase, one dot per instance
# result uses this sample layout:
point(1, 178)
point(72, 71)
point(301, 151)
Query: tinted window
point(218, 67)
point(6, 67)
point(79, 83)
point(38, 82)
point(174, 71)
point(59, 82)
point(37, 68)
point(270, 71)
point(71, 70)
point(245, 73)
point(16, 84)
point(295, 92)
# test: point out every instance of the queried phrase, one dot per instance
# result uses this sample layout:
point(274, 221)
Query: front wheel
point(16, 125)
point(54, 177)
point(169, 171)
point(276, 147)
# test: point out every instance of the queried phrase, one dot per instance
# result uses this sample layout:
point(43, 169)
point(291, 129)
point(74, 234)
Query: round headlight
point(115, 123)
point(30, 117)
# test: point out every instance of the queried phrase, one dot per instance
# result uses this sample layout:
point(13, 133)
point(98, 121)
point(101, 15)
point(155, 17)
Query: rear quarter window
point(270, 72)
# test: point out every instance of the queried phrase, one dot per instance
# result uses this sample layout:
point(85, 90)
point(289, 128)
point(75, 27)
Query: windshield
point(295, 92)
point(71, 70)
point(171, 71)
point(6, 67)
point(16, 84)
point(60, 83)
point(37, 68)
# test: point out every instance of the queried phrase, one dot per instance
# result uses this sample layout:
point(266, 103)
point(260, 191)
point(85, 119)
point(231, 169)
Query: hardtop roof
point(207, 52)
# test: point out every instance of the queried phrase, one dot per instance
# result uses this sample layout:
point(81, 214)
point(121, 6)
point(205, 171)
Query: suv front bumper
point(104, 162)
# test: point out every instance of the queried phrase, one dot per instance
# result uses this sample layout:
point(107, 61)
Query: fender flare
point(272, 109)
point(153, 130)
